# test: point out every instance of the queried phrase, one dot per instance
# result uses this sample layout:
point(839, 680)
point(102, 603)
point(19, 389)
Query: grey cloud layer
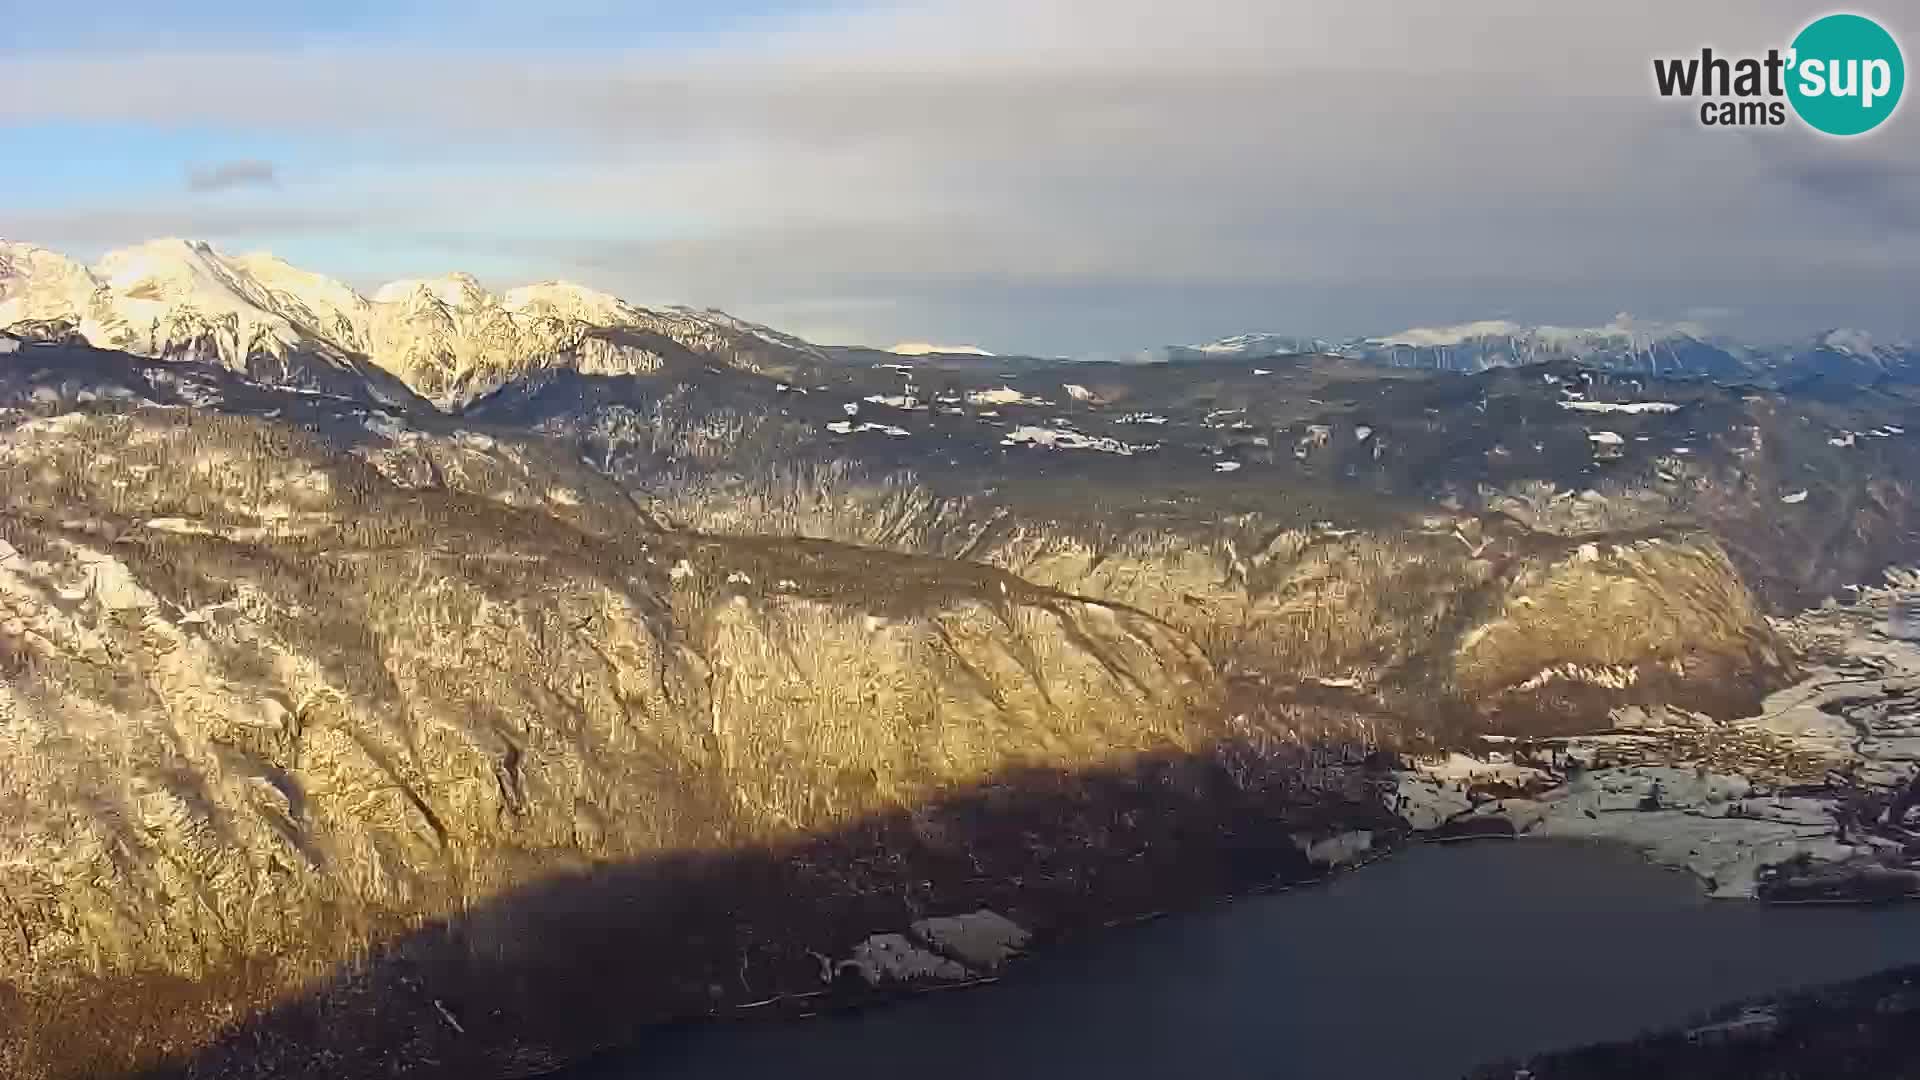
point(1324, 168)
point(231, 174)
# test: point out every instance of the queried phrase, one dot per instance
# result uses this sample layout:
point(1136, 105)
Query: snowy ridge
point(1623, 328)
point(448, 338)
point(1624, 343)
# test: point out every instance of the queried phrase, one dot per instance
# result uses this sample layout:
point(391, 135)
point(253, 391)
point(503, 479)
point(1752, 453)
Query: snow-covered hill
point(447, 338)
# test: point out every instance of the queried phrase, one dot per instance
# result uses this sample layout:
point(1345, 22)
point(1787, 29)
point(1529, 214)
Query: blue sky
point(1050, 175)
point(131, 24)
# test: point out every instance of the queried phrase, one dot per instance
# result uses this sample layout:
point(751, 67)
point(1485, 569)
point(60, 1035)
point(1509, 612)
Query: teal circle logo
point(1845, 74)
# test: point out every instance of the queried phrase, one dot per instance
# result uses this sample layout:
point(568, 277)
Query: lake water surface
point(1442, 958)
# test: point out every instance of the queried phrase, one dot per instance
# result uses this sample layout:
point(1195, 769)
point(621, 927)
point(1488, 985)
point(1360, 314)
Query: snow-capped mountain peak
point(33, 278)
point(1624, 343)
point(1851, 342)
point(447, 337)
point(165, 262)
point(1623, 327)
point(1425, 336)
point(455, 290)
point(157, 279)
point(166, 297)
point(565, 299)
point(924, 348)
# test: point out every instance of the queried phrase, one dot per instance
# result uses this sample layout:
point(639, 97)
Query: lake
point(1424, 965)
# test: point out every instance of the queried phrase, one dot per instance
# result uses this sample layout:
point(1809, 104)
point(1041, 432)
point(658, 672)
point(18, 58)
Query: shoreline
point(634, 1058)
point(823, 1002)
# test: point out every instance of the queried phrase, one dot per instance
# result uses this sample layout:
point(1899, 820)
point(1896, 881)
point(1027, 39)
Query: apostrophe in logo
point(1843, 75)
point(1846, 74)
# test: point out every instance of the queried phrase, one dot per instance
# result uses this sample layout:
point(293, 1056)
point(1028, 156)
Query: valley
point(378, 670)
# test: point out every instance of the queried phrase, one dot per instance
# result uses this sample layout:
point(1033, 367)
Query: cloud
point(1066, 174)
point(85, 233)
point(1867, 182)
point(245, 172)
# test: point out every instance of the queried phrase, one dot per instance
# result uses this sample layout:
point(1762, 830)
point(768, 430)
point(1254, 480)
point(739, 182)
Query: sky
point(1050, 176)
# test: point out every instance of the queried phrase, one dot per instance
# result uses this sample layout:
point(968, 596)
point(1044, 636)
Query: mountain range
point(1676, 350)
point(454, 681)
point(447, 339)
point(451, 341)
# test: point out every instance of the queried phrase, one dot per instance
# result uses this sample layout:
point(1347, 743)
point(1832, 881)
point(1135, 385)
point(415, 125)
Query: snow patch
point(1003, 395)
point(386, 425)
point(1851, 342)
point(1630, 407)
point(1068, 439)
point(1609, 676)
point(847, 427)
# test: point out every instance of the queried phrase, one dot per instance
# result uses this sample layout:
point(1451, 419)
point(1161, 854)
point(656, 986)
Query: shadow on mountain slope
point(591, 955)
point(287, 676)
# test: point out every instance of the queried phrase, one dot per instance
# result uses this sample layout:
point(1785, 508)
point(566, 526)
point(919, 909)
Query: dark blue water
point(1421, 966)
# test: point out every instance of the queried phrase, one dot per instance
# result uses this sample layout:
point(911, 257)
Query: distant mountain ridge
point(1624, 344)
point(451, 341)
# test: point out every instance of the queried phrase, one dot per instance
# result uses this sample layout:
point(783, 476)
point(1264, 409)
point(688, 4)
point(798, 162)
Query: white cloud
point(900, 173)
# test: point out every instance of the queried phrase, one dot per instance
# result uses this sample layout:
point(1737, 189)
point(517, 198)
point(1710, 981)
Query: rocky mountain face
point(1805, 492)
point(264, 702)
point(180, 301)
point(447, 339)
point(682, 642)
